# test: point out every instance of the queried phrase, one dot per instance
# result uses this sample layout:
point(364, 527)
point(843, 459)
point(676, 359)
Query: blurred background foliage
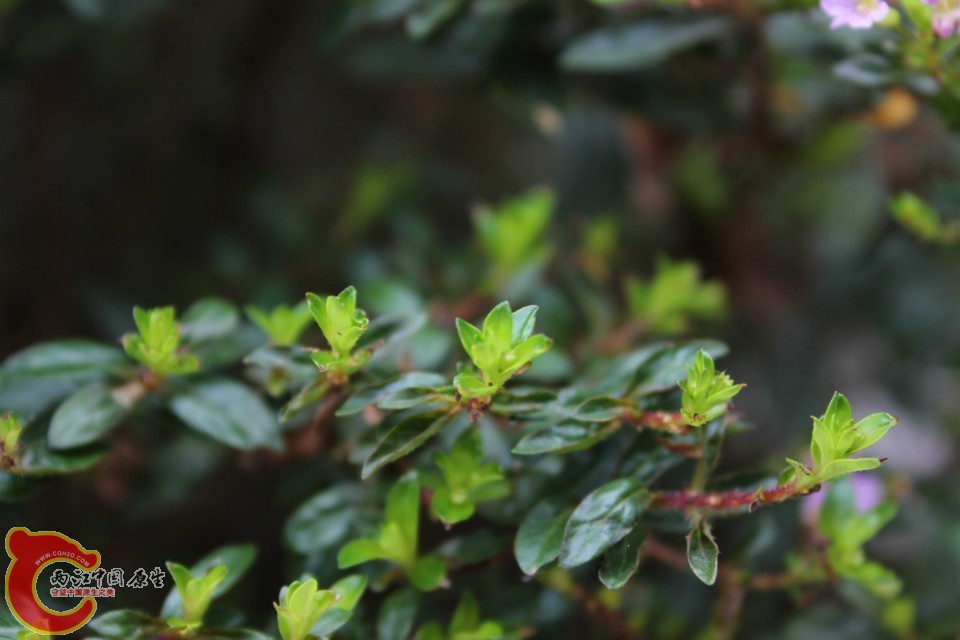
point(155, 151)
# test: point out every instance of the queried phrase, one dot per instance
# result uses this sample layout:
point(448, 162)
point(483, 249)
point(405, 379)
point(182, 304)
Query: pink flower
point(946, 17)
point(868, 491)
point(856, 14)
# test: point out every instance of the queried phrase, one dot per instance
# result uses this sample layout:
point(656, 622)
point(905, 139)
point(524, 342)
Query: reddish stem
point(686, 500)
point(658, 420)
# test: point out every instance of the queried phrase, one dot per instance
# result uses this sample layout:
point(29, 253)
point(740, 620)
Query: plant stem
point(665, 554)
point(687, 500)
point(311, 440)
point(705, 464)
point(604, 616)
point(658, 420)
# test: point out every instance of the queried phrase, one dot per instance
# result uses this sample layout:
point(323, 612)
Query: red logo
point(29, 553)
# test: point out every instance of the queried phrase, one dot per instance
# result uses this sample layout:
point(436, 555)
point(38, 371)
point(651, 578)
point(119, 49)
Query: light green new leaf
point(511, 235)
point(428, 572)
point(300, 607)
point(349, 589)
point(840, 468)
point(466, 479)
point(870, 430)
point(338, 317)
point(403, 507)
point(498, 325)
point(467, 616)
point(358, 552)
point(673, 298)
point(470, 336)
point(283, 324)
point(10, 432)
point(524, 320)
point(196, 592)
point(705, 391)
point(835, 438)
point(503, 347)
point(157, 343)
point(237, 558)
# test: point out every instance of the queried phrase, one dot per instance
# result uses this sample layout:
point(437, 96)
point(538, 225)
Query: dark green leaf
point(309, 395)
point(329, 621)
point(397, 615)
point(866, 70)
point(388, 331)
point(376, 392)
point(564, 438)
point(208, 318)
point(647, 459)
point(514, 401)
point(621, 560)
point(599, 409)
point(410, 397)
point(430, 16)
point(633, 46)
point(662, 371)
point(476, 546)
point(39, 459)
point(228, 349)
point(325, 519)
point(229, 412)
point(231, 634)
point(540, 536)
point(702, 552)
point(406, 436)
point(32, 379)
point(601, 520)
point(15, 487)
point(9, 627)
point(84, 417)
point(73, 359)
point(295, 362)
point(126, 625)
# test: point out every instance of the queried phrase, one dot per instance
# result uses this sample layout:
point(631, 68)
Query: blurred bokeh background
point(155, 151)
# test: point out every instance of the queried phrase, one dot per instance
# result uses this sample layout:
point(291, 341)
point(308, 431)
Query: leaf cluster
point(501, 349)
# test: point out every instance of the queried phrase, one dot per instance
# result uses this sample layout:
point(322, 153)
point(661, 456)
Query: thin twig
point(311, 440)
point(670, 422)
point(686, 500)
